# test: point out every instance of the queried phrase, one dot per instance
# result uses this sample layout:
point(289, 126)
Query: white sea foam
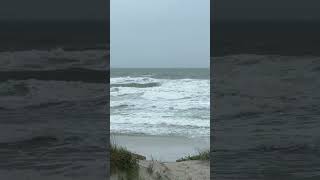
point(174, 106)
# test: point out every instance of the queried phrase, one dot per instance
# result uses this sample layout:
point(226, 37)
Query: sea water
point(160, 102)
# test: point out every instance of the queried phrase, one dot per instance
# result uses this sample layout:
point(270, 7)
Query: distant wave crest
point(137, 85)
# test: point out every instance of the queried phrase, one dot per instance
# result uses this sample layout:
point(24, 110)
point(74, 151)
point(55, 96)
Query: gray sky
point(98, 9)
point(160, 33)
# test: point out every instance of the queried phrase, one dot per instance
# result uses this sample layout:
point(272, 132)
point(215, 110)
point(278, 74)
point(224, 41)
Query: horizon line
point(160, 67)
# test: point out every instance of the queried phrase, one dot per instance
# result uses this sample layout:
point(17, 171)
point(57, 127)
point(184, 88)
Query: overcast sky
point(160, 33)
point(98, 9)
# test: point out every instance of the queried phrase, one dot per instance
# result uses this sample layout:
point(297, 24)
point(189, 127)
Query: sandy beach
point(187, 170)
point(161, 148)
point(161, 153)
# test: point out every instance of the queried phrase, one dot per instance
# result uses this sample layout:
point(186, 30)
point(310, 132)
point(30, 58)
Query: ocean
point(162, 102)
point(265, 95)
point(53, 100)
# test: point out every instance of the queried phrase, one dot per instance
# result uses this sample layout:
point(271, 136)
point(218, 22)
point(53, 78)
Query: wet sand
point(162, 148)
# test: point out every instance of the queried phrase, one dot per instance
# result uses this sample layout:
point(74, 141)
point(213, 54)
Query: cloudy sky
point(160, 33)
point(98, 9)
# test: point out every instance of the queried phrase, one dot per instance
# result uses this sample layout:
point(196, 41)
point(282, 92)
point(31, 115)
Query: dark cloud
point(54, 9)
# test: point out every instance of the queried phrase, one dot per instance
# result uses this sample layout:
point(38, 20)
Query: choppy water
point(160, 102)
point(53, 114)
point(266, 118)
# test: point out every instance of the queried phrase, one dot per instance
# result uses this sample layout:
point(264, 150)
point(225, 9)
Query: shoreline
point(161, 148)
point(128, 164)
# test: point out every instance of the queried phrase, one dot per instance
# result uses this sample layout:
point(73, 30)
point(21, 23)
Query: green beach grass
point(123, 162)
point(124, 165)
point(202, 155)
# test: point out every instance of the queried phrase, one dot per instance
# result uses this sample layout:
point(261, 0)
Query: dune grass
point(202, 155)
point(123, 161)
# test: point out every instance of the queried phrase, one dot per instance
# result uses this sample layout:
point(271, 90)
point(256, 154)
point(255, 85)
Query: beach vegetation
point(150, 167)
point(202, 155)
point(123, 162)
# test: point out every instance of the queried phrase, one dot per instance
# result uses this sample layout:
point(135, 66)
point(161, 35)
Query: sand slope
point(187, 170)
point(156, 170)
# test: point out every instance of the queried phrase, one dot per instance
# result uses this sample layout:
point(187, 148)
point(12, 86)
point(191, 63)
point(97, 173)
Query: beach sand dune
point(156, 170)
point(187, 170)
point(161, 153)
